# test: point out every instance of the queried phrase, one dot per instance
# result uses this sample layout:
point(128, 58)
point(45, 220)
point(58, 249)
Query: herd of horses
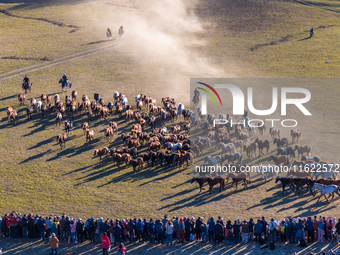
point(167, 146)
point(233, 144)
point(179, 149)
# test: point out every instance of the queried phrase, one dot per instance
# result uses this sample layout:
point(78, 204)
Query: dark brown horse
point(262, 144)
point(236, 178)
point(213, 181)
point(200, 182)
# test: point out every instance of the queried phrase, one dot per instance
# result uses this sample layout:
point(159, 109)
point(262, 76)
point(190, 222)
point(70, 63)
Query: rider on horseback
point(64, 78)
point(311, 32)
point(109, 33)
point(26, 81)
point(121, 31)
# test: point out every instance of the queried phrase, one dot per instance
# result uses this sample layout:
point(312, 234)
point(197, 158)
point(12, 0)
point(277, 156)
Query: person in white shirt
point(169, 231)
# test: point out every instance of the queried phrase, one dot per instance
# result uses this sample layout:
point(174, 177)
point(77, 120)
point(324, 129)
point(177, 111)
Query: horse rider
point(109, 32)
point(64, 79)
point(121, 30)
point(312, 32)
point(26, 80)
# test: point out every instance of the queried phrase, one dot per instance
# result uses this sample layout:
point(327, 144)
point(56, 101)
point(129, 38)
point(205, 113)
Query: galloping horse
point(236, 178)
point(326, 190)
point(213, 181)
point(200, 182)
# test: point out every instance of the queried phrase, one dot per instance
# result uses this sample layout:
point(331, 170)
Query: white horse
point(229, 147)
point(174, 147)
point(331, 171)
point(213, 160)
point(324, 190)
point(266, 169)
point(38, 106)
point(124, 102)
point(33, 102)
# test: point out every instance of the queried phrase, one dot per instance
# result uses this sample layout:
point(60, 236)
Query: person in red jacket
point(105, 243)
point(121, 249)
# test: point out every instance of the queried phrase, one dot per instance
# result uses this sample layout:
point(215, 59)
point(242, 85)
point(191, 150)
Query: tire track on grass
point(75, 56)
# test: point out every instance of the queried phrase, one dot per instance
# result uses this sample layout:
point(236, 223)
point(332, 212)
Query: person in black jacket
point(218, 231)
point(80, 230)
point(24, 226)
point(251, 230)
point(31, 227)
point(132, 225)
point(198, 228)
point(92, 230)
point(187, 227)
point(236, 228)
point(117, 230)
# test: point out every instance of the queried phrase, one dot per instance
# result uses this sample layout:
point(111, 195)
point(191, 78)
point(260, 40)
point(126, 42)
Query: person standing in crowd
point(245, 232)
point(159, 231)
point(321, 227)
point(291, 231)
point(175, 222)
point(251, 230)
point(67, 228)
point(337, 228)
point(283, 230)
point(258, 231)
point(169, 232)
point(198, 227)
point(151, 231)
point(62, 227)
point(181, 230)
point(117, 233)
point(164, 223)
point(218, 231)
point(105, 243)
point(310, 229)
point(264, 228)
point(80, 230)
point(211, 224)
point(24, 226)
point(328, 230)
point(187, 228)
point(73, 227)
point(236, 228)
point(204, 232)
point(121, 249)
point(272, 229)
point(54, 242)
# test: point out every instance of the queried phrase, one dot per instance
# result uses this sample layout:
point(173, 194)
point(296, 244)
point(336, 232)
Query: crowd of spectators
point(186, 229)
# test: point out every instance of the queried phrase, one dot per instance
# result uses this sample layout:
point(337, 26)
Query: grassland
point(158, 54)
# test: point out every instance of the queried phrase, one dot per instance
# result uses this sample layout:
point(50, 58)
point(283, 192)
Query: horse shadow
point(6, 98)
point(36, 156)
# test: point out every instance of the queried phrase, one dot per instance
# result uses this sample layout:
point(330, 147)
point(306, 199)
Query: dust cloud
point(169, 44)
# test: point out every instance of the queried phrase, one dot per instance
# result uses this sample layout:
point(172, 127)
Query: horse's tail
point(191, 158)
point(223, 183)
point(241, 159)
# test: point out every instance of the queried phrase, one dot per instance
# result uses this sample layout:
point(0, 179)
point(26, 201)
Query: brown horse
point(236, 178)
point(213, 181)
point(295, 133)
point(200, 182)
point(249, 149)
point(303, 149)
point(262, 144)
point(278, 160)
